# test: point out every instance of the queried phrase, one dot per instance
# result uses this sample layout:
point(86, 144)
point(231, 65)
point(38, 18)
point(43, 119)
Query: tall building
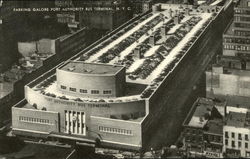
point(103, 14)
point(9, 25)
point(230, 77)
point(111, 92)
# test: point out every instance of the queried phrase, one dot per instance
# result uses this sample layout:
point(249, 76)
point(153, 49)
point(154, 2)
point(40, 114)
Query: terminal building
point(114, 93)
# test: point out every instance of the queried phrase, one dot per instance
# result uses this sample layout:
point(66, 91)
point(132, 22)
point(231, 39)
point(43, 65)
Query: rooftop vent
point(71, 68)
point(87, 70)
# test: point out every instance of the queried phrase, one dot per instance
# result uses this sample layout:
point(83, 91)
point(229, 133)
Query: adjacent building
point(236, 134)
point(203, 129)
point(230, 77)
point(141, 6)
point(103, 14)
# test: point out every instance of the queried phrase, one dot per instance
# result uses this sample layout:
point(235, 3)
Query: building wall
point(26, 48)
point(95, 115)
point(134, 139)
point(97, 20)
point(94, 109)
point(91, 82)
point(228, 84)
point(46, 46)
point(30, 119)
point(244, 151)
point(72, 44)
point(245, 3)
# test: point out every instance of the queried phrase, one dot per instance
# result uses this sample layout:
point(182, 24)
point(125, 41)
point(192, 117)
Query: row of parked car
point(113, 38)
point(147, 67)
point(116, 50)
point(170, 43)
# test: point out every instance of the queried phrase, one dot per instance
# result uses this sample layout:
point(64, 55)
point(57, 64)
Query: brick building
point(203, 129)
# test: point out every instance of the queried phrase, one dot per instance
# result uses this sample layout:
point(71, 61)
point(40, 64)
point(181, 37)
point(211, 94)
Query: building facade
point(202, 134)
point(236, 134)
point(230, 77)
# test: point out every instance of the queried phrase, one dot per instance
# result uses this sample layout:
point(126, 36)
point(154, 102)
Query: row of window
point(193, 131)
point(233, 144)
point(242, 11)
point(33, 120)
point(242, 33)
point(115, 130)
point(84, 91)
point(233, 136)
point(239, 18)
point(237, 40)
point(237, 47)
point(242, 25)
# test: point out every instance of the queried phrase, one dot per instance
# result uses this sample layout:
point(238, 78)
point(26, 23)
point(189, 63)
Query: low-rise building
point(236, 134)
point(202, 134)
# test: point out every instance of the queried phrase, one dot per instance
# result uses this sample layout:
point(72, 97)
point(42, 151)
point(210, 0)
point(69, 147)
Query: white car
point(118, 156)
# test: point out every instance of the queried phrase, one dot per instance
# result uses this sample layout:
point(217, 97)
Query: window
point(34, 120)
point(115, 130)
point(248, 4)
point(107, 92)
point(226, 142)
point(246, 137)
point(63, 87)
point(232, 135)
point(94, 91)
point(72, 89)
point(246, 145)
point(226, 134)
point(233, 144)
point(83, 91)
point(239, 144)
point(239, 137)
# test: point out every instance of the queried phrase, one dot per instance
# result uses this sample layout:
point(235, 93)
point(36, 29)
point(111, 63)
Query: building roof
point(202, 114)
point(158, 55)
point(91, 68)
point(215, 126)
point(237, 119)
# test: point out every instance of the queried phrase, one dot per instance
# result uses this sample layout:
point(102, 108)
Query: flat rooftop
point(91, 68)
point(5, 88)
point(201, 113)
point(156, 59)
point(241, 120)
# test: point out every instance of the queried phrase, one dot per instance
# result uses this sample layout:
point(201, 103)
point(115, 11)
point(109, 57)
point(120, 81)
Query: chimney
point(137, 53)
point(187, 11)
point(164, 30)
point(152, 40)
point(176, 19)
point(170, 13)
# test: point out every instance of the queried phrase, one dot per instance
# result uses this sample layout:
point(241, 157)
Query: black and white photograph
point(124, 79)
